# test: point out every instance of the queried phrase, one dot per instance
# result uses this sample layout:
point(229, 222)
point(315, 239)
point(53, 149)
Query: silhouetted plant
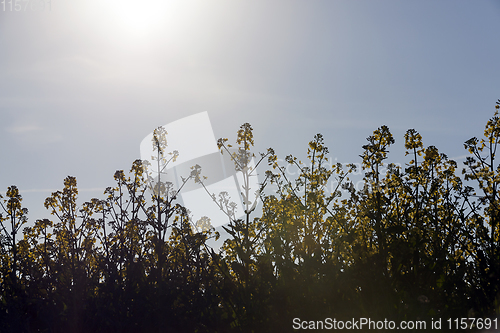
point(414, 242)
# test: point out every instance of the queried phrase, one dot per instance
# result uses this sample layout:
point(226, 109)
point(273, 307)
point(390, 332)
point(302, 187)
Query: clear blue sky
point(83, 83)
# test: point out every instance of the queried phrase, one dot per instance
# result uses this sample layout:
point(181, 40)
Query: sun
point(135, 19)
point(143, 19)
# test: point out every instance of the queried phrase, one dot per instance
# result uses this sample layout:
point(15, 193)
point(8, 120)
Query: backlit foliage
point(415, 241)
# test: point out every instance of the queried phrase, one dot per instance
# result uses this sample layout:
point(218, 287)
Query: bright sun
point(146, 18)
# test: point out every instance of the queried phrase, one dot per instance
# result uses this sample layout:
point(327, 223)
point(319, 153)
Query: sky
point(82, 82)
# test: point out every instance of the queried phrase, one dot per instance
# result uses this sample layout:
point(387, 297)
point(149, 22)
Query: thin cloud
point(22, 129)
point(37, 190)
point(461, 157)
point(33, 134)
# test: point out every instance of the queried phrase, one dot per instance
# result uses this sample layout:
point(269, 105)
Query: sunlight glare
point(147, 19)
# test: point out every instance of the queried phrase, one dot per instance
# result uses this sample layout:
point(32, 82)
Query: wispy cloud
point(22, 129)
point(38, 190)
point(461, 157)
point(33, 133)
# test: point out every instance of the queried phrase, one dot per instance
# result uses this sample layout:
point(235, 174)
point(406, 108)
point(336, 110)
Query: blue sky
point(83, 83)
